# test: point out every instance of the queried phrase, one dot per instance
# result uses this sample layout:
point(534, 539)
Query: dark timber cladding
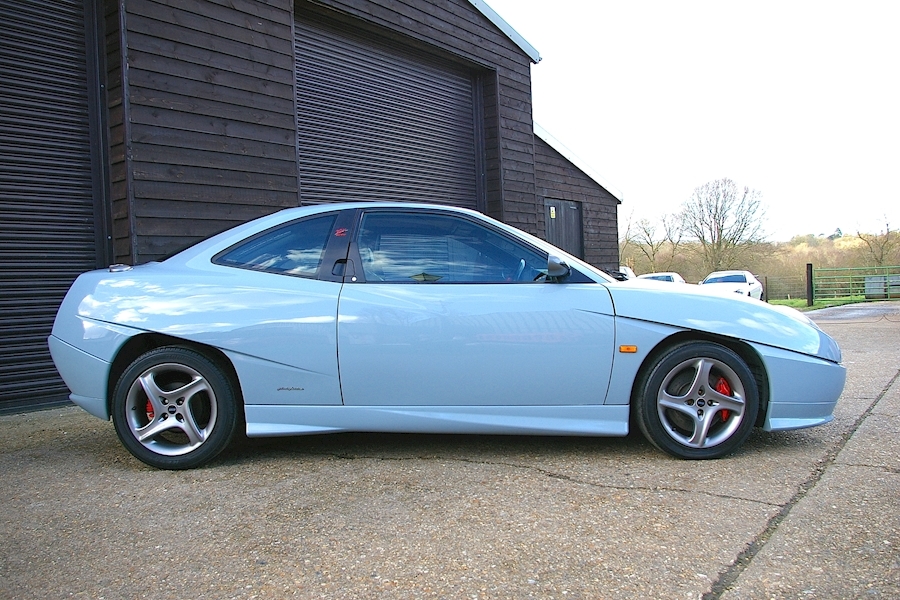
point(202, 119)
point(47, 214)
point(456, 30)
point(558, 179)
point(377, 122)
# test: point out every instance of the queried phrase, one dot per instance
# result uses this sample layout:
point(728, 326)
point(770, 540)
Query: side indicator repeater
point(628, 349)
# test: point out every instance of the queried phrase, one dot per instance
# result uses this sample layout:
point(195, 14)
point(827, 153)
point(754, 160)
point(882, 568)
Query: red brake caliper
point(149, 409)
point(724, 388)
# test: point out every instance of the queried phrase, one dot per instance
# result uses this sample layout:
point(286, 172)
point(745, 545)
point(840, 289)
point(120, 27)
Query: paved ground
point(805, 514)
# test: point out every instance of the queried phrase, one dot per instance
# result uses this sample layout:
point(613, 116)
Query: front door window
point(399, 247)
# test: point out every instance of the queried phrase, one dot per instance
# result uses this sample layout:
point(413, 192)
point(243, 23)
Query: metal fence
point(872, 283)
point(869, 283)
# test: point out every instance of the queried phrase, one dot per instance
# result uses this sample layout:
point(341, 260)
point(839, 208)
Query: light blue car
point(388, 317)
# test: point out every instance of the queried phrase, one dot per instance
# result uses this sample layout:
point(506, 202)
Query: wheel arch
point(140, 344)
point(742, 349)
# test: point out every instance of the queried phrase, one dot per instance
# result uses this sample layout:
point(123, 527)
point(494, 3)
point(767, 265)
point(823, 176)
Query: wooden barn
point(130, 129)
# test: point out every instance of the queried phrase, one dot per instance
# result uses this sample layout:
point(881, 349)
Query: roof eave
point(507, 29)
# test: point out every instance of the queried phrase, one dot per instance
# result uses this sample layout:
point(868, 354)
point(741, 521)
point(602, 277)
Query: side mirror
point(556, 267)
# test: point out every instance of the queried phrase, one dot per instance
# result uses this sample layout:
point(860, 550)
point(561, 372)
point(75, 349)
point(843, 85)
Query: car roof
point(731, 272)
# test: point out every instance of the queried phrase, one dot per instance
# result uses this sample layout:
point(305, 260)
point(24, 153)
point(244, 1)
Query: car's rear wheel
point(697, 400)
point(174, 408)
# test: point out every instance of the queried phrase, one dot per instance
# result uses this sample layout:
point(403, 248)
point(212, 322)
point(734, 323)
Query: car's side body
point(337, 352)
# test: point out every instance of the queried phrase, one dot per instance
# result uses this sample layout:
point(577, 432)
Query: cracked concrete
point(809, 513)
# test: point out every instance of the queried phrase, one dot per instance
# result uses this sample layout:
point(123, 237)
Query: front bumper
point(803, 390)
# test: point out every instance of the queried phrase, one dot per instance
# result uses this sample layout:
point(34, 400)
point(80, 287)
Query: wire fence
point(784, 287)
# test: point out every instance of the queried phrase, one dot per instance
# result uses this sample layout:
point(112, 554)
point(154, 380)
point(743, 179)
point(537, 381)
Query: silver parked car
point(388, 317)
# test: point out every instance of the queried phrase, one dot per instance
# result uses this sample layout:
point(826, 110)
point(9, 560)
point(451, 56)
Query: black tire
point(174, 408)
point(697, 400)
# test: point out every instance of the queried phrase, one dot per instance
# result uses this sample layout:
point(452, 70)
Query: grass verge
point(800, 303)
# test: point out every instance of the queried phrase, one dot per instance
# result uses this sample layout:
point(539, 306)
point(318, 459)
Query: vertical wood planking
point(558, 178)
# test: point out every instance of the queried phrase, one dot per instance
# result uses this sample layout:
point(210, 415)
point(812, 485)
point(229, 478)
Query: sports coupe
point(389, 317)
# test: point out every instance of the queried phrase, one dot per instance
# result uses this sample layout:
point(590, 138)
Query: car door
point(446, 309)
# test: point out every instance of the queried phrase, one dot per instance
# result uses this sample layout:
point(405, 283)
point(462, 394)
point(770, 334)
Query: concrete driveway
point(804, 514)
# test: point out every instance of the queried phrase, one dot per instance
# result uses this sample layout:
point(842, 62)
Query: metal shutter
point(378, 122)
point(46, 204)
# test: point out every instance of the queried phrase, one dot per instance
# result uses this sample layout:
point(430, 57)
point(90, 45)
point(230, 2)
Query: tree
point(647, 242)
point(726, 222)
point(652, 246)
point(672, 230)
point(627, 240)
point(880, 246)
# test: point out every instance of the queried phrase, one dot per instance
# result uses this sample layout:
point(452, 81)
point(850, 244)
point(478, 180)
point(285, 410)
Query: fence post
point(809, 284)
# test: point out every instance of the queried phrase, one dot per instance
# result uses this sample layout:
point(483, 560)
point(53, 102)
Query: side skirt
point(601, 420)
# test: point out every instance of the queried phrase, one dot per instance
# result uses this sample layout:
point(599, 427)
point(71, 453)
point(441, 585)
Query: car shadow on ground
point(482, 448)
point(408, 446)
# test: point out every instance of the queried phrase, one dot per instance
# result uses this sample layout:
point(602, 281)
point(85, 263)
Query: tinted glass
point(434, 248)
point(293, 249)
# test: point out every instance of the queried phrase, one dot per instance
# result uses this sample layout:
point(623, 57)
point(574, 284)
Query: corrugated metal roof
point(572, 158)
point(506, 28)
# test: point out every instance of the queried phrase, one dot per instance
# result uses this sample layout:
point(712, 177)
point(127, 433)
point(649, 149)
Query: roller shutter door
point(379, 122)
point(46, 204)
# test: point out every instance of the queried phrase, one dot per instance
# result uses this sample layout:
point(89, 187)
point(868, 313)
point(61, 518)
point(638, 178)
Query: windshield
point(736, 278)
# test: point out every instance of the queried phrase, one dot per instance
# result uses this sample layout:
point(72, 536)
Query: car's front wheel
point(697, 400)
point(174, 408)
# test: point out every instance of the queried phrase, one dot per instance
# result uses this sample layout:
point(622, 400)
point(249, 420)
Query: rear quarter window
point(295, 248)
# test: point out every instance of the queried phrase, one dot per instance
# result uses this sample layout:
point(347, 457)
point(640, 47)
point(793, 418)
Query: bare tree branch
point(672, 231)
point(879, 246)
point(627, 238)
point(648, 244)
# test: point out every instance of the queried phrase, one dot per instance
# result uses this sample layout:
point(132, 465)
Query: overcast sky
point(797, 99)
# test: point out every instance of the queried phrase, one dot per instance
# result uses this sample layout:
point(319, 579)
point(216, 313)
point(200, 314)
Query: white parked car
point(672, 277)
point(739, 282)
